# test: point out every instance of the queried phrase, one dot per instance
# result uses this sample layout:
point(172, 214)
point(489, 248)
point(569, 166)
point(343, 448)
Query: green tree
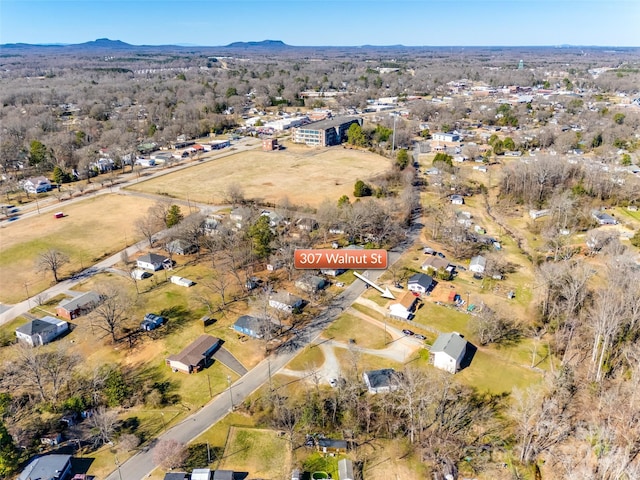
point(619, 118)
point(174, 216)
point(116, 388)
point(509, 144)
point(37, 152)
point(402, 159)
point(635, 240)
point(355, 135)
point(151, 131)
point(344, 201)
point(9, 454)
point(261, 236)
point(382, 134)
point(361, 189)
point(596, 141)
point(626, 160)
point(231, 92)
point(442, 157)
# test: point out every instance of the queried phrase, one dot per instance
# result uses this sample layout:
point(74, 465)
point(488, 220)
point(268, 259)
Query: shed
point(196, 356)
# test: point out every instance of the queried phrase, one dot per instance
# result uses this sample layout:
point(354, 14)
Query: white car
point(340, 284)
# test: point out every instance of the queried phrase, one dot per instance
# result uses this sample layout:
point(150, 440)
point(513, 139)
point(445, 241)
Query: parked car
point(152, 321)
point(407, 332)
point(440, 254)
point(420, 337)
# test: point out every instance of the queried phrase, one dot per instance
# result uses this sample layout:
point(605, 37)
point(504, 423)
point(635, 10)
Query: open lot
point(90, 231)
point(261, 453)
point(305, 176)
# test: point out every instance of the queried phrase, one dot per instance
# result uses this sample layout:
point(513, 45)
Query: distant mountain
point(264, 43)
point(104, 43)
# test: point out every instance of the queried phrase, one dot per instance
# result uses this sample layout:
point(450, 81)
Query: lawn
point(305, 176)
point(366, 335)
point(310, 358)
point(262, 453)
point(83, 239)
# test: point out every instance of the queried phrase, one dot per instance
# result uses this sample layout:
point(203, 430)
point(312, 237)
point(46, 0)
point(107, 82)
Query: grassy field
point(348, 327)
point(262, 453)
point(305, 176)
point(79, 235)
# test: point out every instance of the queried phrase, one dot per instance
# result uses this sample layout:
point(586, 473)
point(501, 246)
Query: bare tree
point(234, 194)
point(112, 311)
point(52, 261)
point(104, 421)
point(169, 454)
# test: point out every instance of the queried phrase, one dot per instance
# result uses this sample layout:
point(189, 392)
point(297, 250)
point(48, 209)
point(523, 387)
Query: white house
point(448, 351)
point(445, 137)
point(36, 185)
point(41, 331)
point(285, 301)
point(381, 381)
point(420, 283)
point(153, 262)
point(404, 307)
point(478, 264)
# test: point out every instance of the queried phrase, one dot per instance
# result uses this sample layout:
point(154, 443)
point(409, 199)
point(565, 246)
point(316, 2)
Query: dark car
point(407, 332)
point(440, 254)
point(152, 321)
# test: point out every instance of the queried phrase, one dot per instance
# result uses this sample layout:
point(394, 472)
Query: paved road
point(9, 312)
point(141, 465)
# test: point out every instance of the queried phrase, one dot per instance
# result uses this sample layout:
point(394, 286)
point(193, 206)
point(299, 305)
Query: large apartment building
point(326, 132)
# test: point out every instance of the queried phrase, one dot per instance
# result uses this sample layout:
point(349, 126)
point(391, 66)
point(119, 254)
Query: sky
point(324, 22)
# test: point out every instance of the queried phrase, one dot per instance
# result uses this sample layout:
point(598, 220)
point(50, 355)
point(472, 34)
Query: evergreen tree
point(262, 236)
point(174, 216)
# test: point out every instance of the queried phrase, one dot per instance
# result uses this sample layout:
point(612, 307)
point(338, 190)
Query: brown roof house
point(405, 307)
point(196, 356)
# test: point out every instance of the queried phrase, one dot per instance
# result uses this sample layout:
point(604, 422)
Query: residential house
point(604, 218)
point(176, 476)
point(221, 475)
point(37, 185)
point(445, 137)
point(435, 264)
point(332, 272)
point(345, 469)
point(47, 467)
point(448, 351)
point(80, 305)
point(240, 215)
point(478, 264)
point(196, 356)
point(420, 283)
point(405, 307)
point(275, 219)
point(201, 474)
point(331, 446)
point(457, 199)
point(41, 331)
point(285, 301)
point(381, 381)
point(252, 326)
point(181, 246)
point(153, 262)
point(311, 283)
point(307, 224)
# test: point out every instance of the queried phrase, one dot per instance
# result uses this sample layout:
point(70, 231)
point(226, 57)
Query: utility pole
point(230, 392)
point(393, 142)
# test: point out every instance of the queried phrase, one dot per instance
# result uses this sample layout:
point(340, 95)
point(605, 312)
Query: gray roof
point(46, 467)
point(176, 476)
point(223, 475)
point(381, 378)
point(421, 279)
point(450, 343)
point(479, 260)
point(86, 298)
point(153, 258)
point(39, 325)
point(329, 123)
point(345, 469)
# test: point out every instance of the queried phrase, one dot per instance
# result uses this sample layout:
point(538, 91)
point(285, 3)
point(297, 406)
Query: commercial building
point(326, 132)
